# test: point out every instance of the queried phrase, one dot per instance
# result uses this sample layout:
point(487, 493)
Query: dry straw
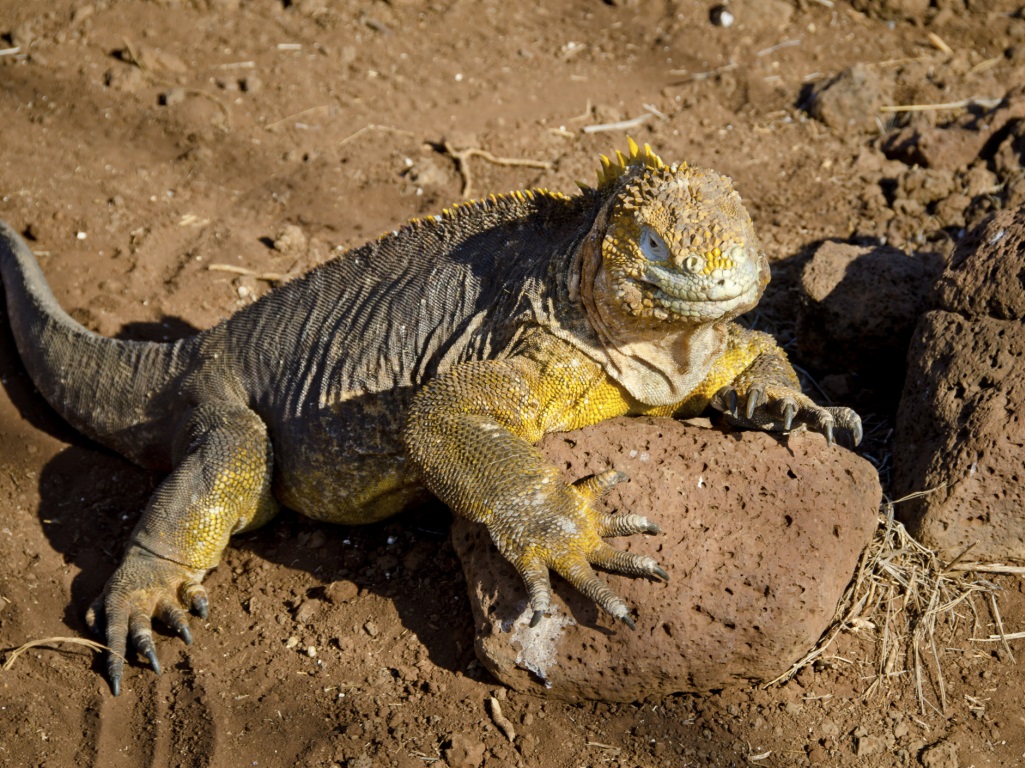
point(903, 592)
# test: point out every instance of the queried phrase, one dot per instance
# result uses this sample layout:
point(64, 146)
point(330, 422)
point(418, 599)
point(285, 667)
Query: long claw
point(755, 397)
point(660, 572)
point(629, 622)
point(828, 431)
point(536, 618)
point(114, 676)
point(731, 400)
point(142, 637)
point(194, 596)
point(789, 411)
point(175, 618)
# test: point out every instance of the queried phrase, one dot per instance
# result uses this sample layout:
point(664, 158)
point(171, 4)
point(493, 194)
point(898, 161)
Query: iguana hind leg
point(220, 486)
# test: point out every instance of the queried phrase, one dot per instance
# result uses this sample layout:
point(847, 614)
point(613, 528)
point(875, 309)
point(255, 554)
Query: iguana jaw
point(722, 293)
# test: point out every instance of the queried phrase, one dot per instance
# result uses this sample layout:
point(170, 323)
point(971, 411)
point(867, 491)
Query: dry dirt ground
point(144, 143)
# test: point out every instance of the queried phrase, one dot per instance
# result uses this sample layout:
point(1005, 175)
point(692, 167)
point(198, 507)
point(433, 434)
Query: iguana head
point(677, 245)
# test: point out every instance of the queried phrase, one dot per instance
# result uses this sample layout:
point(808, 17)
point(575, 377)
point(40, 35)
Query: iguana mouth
point(711, 295)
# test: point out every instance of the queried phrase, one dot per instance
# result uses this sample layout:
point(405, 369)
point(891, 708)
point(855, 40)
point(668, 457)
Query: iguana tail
point(109, 390)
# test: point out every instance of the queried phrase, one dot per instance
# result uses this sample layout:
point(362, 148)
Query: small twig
point(583, 115)
point(939, 43)
point(503, 723)
point(990, 568)
point(238, 65)
point(1000, 625)
point(986, 103)
point(697, 76)
point(999, 638)
point(656, 111)
point(307, 111)
point(462, 160)
point(622, 125)
point(50, 641)
point(778, 46)
point(269, 277)
point(960, 556)
point(373, 127)
point(134, 56)
point(10, 51)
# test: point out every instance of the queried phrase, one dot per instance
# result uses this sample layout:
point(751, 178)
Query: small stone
point(250, 84)
point(292, 642)
point(464, 751)
point(371, 629)
point(852, 99)
point(942, 754)
point(817, 754)
point(291, 241)
point(340, 592)
point(720, 16)
point(866, 745)
point(307, 610)
point(172, 97)
point(317, 540)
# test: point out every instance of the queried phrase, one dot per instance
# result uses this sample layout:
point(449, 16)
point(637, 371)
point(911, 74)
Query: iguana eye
point(653, 247)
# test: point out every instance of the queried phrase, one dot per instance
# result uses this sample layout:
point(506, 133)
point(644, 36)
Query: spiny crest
point(493, 202)
point(613, 169)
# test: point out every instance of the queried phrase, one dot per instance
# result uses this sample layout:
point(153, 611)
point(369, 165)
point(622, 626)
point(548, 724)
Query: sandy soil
point(142, 143)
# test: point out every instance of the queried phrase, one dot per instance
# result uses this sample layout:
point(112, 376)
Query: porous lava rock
point(960, 433)
point(760, 537)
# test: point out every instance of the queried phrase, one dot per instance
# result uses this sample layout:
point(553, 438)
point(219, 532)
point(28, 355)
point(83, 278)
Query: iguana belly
point(345, 462)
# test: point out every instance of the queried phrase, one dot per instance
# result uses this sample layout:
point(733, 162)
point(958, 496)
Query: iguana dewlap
point(429, 360)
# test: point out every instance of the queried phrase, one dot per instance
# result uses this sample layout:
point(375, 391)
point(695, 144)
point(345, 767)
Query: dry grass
point(903, 593)
point(48, 641)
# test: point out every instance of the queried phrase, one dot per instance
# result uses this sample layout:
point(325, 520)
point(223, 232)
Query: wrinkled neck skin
point(658, 363)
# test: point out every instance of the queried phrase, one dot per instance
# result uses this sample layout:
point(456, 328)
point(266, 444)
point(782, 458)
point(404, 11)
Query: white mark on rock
point(538, 645)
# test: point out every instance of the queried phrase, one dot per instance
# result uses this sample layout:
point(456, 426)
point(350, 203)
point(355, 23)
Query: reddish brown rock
point(760, 538)
point(959, 428)
point(859, 306)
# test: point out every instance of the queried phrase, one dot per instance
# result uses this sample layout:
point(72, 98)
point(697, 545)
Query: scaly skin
point(430, 360)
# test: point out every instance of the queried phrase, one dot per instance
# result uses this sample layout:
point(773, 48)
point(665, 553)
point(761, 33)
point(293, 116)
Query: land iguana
point(430, 360)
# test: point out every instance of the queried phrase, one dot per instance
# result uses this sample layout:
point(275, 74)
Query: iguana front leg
point(220, 486)
point(471, 432)
point(766, 394)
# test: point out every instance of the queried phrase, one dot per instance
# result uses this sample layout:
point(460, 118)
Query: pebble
point(464, 751)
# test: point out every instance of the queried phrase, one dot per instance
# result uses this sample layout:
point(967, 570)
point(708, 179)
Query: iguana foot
point(143, 587)
point(778, 408)
point(569, 541)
